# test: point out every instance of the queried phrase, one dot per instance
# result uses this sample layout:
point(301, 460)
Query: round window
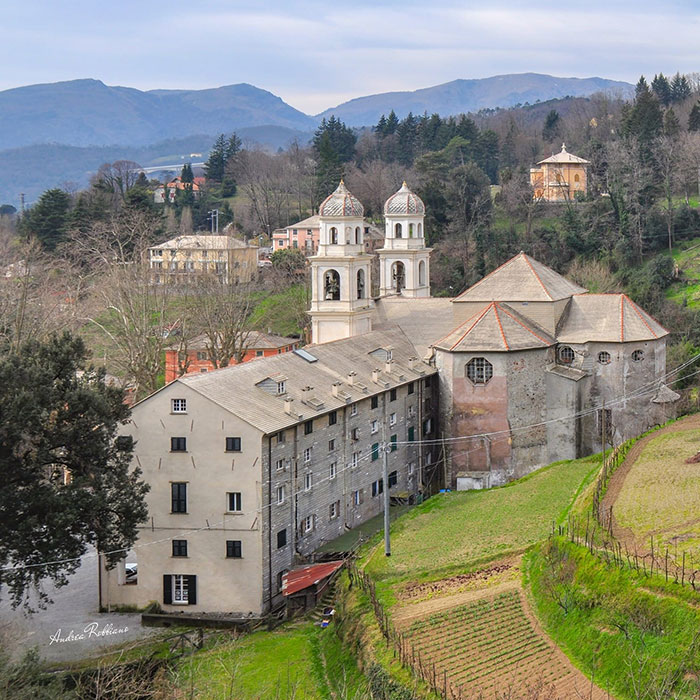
point(638, 355)
point(566, 355)
point(604, 358)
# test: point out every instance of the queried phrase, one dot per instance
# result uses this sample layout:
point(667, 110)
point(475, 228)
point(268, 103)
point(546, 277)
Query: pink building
point(302, 235)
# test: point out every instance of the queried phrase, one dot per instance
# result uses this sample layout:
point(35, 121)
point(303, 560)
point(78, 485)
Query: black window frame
point(309, 427)
point(332, 417)
point(282, 538)
point(231, 498)
point(377, 488)
point(411, 388)
point(233, 444)
point(178, 496)
point(179, 548)
point(178, 444)
point(393, 478)
point(392, 395)
point(234, 549)
point(374, 402)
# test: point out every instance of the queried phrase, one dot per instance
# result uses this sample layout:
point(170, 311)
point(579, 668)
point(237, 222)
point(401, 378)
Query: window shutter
point(167, 589)
point(191, 590)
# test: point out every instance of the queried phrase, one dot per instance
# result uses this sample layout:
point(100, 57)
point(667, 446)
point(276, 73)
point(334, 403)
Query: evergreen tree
point(694, 118)
point(392, 124)
point(186, 175)
point(214, 167)
point(672, 126)
point(644, 120)
point(662, 89)
point(488, 153)
point(49, 218)
point(380, 129)
point(641, 87)
point(338, 137)
point(680, 88)
point(406, 134)
point(552, 126)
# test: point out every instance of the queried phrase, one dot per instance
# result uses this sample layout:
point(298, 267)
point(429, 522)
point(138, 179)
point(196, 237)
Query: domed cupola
point(404, 203)
point(342, 203)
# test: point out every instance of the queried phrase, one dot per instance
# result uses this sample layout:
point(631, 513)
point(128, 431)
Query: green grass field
point(660, 494)
point(455, 530)
point(294, 662)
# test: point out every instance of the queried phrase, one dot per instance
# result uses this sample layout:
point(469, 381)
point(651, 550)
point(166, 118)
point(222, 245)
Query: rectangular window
point(392, 395)
point(178, 497)
point(281, 437)
point(374, 427)
point(334, 510)
point(411, 467)
point(333, 470)
point(428, 426)
point(202, 355)
point(180, 594)
point(178, 444)
point(282, 538)
point(279, 465)
point(281, 387)
point(258, 353)
point(355, 434)
point(353, 410)
point(233, 444)
point(377, 487)
point(392, 440)
point(235, 502)
point(392, 419)
point(308, 523)
point(332, 418)
point(354, 460)
point(331, 445)
point(375, 451)
point(427, 404)
point(280, 495)
point(410, 388)
point(356, 498)
point(411, 434)
point(179, 548)
point(307, 455)
point(308, 481)
point(233, 549)
point(178, 405)
point(411, 411)
point(308, 427)
point(393, 478)
point(374, 402)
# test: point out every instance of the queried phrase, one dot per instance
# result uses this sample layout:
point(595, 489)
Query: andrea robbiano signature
point(91, 630)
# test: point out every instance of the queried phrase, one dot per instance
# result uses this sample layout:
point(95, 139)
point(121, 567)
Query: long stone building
point(255, 466)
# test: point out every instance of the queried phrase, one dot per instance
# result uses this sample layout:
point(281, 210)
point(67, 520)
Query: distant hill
point(463, 96)
point(90, 113)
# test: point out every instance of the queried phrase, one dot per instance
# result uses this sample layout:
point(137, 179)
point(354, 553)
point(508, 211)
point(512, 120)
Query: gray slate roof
point(609, 318)
point(522, 278)
point(422, 320)
point(236, 388)
point(496, 328)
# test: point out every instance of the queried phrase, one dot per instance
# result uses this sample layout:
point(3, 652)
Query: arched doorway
point(331, 286)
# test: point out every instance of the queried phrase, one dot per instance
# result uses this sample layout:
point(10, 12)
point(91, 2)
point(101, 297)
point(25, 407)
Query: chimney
point(335, 388)
point(388, 365)
point(288, 406)
point(351, 378)
point(375, 376)
point(412, 362)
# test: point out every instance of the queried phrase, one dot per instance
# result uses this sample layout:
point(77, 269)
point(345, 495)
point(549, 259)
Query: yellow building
point(180, 258)
point(560, 177)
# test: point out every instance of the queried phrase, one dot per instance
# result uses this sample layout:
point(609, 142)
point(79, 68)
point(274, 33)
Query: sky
point(315, 55)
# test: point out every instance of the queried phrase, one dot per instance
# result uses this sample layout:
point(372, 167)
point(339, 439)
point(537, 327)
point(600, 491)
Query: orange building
point(259, 345)
point(560, 178)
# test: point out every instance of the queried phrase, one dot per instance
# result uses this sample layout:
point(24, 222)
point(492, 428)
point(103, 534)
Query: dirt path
point(617, 480)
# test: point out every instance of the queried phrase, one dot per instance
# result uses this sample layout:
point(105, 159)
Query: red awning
point(299, 579)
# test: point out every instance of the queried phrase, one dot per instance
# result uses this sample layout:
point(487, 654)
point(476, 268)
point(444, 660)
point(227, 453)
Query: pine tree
point(214, 167)
point(48, 219)
point(672, 126)
point(662, 89)
point(641, 87)
point(694, 118)
point(380, 129)
point(680, 88)
point(552, 126)
point(392, 123)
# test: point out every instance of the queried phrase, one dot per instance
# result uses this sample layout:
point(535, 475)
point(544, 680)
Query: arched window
point(410, 230)
point(358, 235)
point(397, 231)
point(421, 273)
point(334, 235)
point(360, 284)
point(348, 234)
point(479, 370)
point(420, 230)
point(565, 354)
point(331, 284)
point(577, 178)
point(398, 277)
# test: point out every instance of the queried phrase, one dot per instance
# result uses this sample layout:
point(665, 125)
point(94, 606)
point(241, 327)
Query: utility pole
point(386, 448)
point(214, 218)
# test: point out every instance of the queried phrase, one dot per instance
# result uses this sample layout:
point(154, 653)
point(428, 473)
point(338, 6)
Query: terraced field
point(492, 648)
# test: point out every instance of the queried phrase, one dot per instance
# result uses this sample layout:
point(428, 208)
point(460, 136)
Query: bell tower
point(340, 271)
point(404, 261)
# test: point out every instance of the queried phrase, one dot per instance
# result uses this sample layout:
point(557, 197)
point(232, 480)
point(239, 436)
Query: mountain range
point(67, 127)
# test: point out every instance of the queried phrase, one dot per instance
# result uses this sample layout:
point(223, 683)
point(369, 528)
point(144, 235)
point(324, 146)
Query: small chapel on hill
point(532, 367)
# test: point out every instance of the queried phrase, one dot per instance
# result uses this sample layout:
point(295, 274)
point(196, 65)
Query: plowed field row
point(488, 647)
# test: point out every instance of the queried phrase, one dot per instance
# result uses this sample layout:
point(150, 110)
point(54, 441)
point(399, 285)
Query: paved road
point(74, 609)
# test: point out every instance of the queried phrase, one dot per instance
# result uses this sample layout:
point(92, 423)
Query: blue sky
point(317, 54)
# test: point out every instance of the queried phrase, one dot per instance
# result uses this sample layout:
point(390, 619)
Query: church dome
point(341, 203)
point(404, 203)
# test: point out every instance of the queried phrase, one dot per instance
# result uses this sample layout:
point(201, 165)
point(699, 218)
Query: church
point(254, 467)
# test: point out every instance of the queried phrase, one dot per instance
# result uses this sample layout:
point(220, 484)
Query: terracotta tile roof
point(521, 278)
point(299, 579)
point(610, 318)
point(497, 327)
